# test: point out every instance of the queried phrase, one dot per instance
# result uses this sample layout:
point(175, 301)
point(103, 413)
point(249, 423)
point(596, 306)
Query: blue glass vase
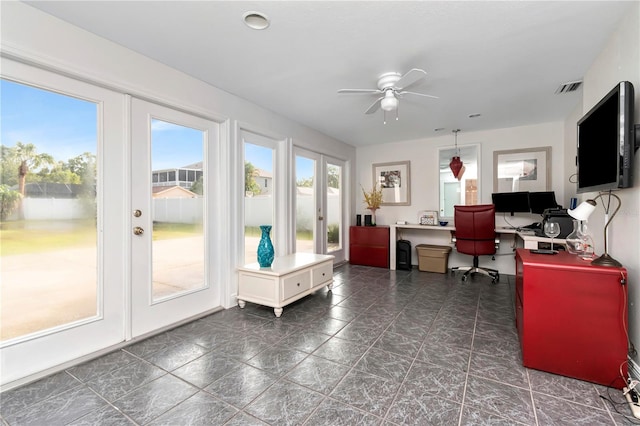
point(265, 247)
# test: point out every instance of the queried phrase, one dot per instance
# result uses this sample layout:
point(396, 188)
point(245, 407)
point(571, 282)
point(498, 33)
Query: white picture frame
point(517, 170)
point(395, 181)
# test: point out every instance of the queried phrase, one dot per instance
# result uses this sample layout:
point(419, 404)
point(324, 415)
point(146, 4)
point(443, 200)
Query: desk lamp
point(583, 211)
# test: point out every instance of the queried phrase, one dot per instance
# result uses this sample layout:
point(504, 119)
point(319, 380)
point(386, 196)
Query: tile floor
point(383, 348)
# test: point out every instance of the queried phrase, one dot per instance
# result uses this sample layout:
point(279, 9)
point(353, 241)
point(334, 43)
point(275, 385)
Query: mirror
point(453, 191)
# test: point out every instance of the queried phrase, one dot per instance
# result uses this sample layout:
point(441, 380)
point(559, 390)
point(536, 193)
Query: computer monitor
point(540, 201)
point(511, 202)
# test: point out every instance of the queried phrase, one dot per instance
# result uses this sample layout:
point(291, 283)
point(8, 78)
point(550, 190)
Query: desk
point(393, 236)
point(524, 238)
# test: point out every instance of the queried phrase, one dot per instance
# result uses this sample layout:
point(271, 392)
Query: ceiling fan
point(392, 86)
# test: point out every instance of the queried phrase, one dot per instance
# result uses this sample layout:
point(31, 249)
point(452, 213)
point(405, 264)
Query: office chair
point(475, 235)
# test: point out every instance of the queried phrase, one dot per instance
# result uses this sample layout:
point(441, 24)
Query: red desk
point(369, 245)
point(572, 316)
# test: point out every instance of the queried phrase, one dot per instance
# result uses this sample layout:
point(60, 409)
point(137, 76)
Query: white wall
point(423, 154)
point(618, 61)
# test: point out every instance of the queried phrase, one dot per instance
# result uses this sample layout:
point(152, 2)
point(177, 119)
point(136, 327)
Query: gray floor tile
point(318, 374)
point(277, 361)
point(284, 403)
point(305, 341)
point(438, 380)
point(500, 399)
point(565, 387)
point(102, 365)
point(60, 409)
point(400, 344)
point(332, 412)
point(416, 406)
point(366, 392)
point(177, 355)
point(241, 386)
point(116, 383)
point(106, 416)
point(384, 364)
point(207, 369)
point(501, 369)
point(16, 400)
point(201, 409)
point(341, 351)
point(556, 411)
point(153, 399)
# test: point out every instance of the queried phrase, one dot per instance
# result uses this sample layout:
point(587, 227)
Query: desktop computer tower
point(403, 255)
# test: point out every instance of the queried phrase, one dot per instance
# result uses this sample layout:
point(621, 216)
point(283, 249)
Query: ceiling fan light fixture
point(390, 102)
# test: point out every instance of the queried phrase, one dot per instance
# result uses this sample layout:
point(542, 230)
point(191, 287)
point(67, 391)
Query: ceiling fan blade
point(374, 106)
point(359, 91)
point(418, 94)
point(411, 77)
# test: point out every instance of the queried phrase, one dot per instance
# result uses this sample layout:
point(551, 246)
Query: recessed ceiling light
point(474, 115)
point(256, 20)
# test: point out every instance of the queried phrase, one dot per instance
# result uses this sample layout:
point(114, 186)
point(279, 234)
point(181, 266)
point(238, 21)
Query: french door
point(173, 188)
point(62, 264)
point(319, 199)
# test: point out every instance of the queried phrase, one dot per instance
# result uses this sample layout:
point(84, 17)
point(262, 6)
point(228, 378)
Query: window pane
point(258, 201)
point(48, 250)
point(305, 204)
point(178, 234)
point(334, 207)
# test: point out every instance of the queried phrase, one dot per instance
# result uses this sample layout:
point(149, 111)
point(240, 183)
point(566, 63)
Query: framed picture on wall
point(395, 181)
point(522, 170)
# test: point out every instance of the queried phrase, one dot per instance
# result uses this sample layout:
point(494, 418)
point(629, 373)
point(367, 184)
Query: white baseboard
point(634, 369)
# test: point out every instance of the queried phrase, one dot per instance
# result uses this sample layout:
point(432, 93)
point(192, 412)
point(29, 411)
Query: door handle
point(138, 230)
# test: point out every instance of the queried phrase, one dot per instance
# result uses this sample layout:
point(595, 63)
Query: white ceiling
point(501, 59)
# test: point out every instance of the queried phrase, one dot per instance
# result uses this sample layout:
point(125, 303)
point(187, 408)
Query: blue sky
point(66, 127)
point(62, 126)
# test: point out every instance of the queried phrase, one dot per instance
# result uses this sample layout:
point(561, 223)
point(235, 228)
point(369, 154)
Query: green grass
point(20, 237)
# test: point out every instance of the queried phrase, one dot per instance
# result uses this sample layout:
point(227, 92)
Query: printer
point(560, 216)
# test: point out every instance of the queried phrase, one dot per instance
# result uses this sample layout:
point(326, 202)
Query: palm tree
point(27, 157)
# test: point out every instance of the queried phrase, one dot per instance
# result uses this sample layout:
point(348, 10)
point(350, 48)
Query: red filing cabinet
point(572, 317)
point(369, 245)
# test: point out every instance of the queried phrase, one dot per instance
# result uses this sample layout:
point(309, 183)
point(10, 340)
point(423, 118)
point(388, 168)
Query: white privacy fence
point(258, 210)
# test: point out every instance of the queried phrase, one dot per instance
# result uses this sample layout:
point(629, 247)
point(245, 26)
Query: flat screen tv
point(511, 202)
point(606, 142)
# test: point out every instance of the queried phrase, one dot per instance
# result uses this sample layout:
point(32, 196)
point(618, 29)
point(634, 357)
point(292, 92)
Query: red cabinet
point(572, 317)
point(369, 245)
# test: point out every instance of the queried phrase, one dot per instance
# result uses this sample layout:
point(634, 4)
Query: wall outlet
point(634, 401)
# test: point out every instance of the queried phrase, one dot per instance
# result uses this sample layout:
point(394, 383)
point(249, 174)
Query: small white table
point(288, 279)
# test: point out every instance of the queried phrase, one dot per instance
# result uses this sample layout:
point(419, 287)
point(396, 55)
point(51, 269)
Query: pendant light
point(456, 165)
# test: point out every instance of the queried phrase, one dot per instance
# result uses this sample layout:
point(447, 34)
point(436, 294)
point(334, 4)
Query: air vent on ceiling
point(570, 86)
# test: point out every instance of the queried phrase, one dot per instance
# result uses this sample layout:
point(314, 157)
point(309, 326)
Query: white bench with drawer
point(288, 279)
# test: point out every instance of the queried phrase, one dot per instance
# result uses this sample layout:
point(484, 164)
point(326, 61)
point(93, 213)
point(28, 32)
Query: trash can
point(433, 258)
point(403, 255)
